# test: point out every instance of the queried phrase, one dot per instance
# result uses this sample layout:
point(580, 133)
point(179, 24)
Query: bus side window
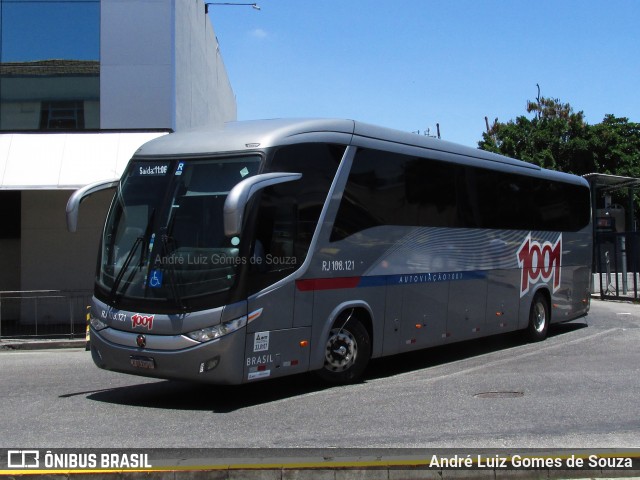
point(386, 188)
point(275, 231)
point(288, 213)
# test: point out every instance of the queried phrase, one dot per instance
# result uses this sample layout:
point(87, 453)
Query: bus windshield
point(164, 236)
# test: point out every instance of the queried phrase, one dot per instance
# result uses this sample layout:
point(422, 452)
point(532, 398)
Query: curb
point(16, 344)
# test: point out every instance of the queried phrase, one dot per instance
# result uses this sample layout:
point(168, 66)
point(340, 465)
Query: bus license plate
point(143, 362)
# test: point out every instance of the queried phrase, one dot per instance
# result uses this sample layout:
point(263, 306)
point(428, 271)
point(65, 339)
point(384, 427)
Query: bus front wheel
point(539, 318)
point(347, 353)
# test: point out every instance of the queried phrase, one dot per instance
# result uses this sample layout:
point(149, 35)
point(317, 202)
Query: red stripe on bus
point(327, 283)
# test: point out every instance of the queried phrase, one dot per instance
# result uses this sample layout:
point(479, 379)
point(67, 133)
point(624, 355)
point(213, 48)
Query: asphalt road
point(577, 389)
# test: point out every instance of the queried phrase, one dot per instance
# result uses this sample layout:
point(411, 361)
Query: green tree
point(556, 137)
point(616, 146)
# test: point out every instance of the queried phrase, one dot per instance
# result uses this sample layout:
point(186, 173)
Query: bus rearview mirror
point(73, 204)
point(240, 195)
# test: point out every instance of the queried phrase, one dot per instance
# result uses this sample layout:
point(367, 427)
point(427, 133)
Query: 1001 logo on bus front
point(539, 262)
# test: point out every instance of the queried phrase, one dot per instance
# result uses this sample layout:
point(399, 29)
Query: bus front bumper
point(218, 361)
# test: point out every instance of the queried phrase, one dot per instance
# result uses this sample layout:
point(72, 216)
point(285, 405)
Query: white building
point(154, 67)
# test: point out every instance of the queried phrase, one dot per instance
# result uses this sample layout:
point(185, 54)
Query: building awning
point(611, 182)
point(52, 161)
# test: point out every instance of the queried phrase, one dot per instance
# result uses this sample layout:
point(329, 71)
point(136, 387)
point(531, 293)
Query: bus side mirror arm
point(240, 195)
point(73, 204)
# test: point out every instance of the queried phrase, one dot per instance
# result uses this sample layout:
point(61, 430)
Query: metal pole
point(616, 265)
point(633, 238)
point(599, 270)
point(608, 272)
point(70, 299)
point(623, 259)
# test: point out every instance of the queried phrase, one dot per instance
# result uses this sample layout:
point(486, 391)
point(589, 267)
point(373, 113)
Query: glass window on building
point(49, 65)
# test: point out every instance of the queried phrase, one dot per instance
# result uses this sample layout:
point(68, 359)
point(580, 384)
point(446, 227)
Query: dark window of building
point(62, 116)
point(10, 214)
point(288, 213)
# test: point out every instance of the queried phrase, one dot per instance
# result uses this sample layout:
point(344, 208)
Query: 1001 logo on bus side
point(539, 262)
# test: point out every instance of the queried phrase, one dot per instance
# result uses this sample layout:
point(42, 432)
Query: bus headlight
point(211, 333)
point(97, 324)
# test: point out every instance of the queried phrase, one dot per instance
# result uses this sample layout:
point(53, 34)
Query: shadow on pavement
point(176, 395)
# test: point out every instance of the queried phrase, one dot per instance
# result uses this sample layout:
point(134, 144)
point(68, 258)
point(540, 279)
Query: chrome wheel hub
point(539, 317)
point(341, 350)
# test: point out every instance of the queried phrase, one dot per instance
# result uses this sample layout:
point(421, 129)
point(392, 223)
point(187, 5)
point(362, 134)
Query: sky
point(412, 64)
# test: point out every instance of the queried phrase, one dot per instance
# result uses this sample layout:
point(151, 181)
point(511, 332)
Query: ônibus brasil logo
point(539, 261)
point(138, 320)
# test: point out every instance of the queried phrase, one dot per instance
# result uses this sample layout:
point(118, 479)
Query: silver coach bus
point(275, 247)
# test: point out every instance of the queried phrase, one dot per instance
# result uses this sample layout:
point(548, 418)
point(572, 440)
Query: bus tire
point(539, 318)
point(347, 353)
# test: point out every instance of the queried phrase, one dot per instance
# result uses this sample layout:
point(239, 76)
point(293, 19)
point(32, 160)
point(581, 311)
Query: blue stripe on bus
point(339, 283)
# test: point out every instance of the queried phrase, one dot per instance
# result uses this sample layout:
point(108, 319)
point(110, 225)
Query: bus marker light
point(418, 325)
point(499, 314)
point(255, 314)
point(304, 343)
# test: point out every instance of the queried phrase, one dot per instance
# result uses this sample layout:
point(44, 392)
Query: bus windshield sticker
point(244, 172)
point(179, 169)
point(261, 342)
point(155, 281)
point(152, 169)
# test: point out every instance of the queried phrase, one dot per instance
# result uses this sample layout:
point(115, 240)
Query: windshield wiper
point(139, 241)
point(165, 238)
point(123, 269)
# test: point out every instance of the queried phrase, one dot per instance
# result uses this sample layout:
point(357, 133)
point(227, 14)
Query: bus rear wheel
point(539, 318)
point(347, 353)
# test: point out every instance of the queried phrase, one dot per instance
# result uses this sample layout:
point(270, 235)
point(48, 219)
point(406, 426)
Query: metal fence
point(617, 269)
point(43, 313)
